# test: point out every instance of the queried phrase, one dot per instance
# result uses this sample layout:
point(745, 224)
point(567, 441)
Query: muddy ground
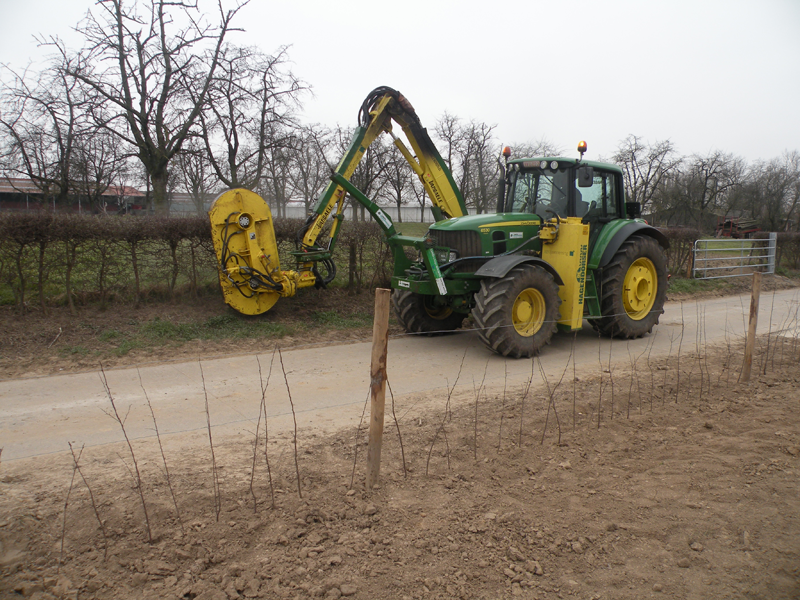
point(675, 481)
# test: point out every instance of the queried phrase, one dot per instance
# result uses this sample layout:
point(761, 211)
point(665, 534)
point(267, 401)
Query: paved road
point(328, 385)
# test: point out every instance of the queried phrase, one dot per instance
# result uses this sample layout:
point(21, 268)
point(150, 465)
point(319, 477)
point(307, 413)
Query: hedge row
point(787, 251)
point(681, 245)
point(69, 259)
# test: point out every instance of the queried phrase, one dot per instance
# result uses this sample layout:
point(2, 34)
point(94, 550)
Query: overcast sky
point(706, 74)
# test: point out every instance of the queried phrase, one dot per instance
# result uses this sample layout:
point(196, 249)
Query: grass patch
point(74, 351)
point(680, 285)
point(335, 320)
point(412, 229)
point(786, 272)
point(126, 346)
point(109, 335)
point(219, 327)
point(729, 244)
point(161, 332)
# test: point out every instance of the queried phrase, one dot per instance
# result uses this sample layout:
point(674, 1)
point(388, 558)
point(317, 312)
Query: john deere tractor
point(563, 246)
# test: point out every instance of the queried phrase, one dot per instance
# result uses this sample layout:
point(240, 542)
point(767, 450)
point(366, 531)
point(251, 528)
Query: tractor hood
point(492, 220)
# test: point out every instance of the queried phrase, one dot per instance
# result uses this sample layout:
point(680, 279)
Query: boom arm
point(382, 106)
point(242, 228)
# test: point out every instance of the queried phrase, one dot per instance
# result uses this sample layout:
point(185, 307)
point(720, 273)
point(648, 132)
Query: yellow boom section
point(381, 107)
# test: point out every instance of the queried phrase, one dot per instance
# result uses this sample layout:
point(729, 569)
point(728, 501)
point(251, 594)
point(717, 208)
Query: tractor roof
point(562, 161)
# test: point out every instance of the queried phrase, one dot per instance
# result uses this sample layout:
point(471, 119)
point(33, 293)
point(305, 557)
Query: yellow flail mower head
point(249, 266)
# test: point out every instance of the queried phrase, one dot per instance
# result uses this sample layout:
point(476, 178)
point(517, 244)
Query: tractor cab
point(558, 188)
point(563, 187)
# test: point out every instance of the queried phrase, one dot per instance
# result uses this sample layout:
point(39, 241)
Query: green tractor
point(563, 246)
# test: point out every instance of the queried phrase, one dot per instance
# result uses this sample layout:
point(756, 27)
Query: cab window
point(599, 200)
point(541, 192)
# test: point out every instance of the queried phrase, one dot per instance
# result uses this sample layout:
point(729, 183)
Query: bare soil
point(57, 341)
point(675, 482)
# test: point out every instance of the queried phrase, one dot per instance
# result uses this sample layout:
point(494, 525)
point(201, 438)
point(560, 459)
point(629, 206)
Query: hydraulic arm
point(380, 108)
point(243, 233)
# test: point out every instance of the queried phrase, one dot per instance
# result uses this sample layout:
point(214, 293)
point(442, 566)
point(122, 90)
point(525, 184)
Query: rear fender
point(619, 238)
point(499, 267)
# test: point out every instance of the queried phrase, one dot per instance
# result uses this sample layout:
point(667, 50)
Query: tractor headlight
point(445, 255)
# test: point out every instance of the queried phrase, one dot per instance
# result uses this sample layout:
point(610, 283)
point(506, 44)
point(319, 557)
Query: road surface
point(329, 385)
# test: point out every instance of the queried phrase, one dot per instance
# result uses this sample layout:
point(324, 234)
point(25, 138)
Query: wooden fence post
point(751, 329)
point(380, 340)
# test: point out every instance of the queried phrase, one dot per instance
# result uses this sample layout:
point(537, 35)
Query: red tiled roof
point(21, 185)
point(11, 185)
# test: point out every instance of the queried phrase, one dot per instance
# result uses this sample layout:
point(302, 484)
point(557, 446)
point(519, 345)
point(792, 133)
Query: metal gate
point(715, 259)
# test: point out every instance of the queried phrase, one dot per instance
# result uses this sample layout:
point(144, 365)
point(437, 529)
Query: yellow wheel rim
point(639, 288)
point(528, 311)
point(438, 312)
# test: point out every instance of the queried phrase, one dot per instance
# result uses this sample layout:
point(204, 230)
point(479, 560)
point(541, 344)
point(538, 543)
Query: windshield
point(539, 191)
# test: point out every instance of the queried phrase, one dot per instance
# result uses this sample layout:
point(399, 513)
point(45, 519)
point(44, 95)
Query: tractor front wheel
point(418, 313)
point(516, 315)
point(633, 289)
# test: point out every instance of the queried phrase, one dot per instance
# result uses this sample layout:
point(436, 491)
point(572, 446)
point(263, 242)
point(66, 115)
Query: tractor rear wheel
point(516, 315)
point(633, 289)
point(418, 313)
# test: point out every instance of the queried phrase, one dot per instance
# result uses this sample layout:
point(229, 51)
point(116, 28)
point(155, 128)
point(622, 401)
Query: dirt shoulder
point(636, 489)
point(39, 344)
point(59, 342)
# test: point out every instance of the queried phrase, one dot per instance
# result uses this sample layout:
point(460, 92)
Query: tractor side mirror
point(633, 210)
point(585, 176)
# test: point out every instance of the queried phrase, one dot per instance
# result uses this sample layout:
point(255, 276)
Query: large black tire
point(632, 289)
point(417, 314)
point(516, 316)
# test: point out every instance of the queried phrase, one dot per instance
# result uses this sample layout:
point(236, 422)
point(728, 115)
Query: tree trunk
point(173, 246)
point(71, 251)
point(160, 198)
point(135, 264)
point(351, 271)
point(41, 275)
point(21, 274)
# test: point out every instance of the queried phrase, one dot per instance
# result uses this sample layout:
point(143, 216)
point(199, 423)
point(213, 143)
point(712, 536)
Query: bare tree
point(396, 181)
point(248, 113)
point(540, 147)
point(311, 170)
point(196, 175)
point(275, 184)
point(772, 192)
point(41, 121)
point(484, 168)
point(448, 131)
point(700, 187)
point(421, 197)
point(470, 153)
point(458, 147)
point(645, 167)
point(98, 163)
point(368, 173)
point(153, 64)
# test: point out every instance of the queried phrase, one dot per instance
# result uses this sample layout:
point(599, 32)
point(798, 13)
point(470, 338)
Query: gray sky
point(706, 74)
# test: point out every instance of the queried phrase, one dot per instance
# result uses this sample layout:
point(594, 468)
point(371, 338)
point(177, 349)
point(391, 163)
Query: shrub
point(681, 244)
